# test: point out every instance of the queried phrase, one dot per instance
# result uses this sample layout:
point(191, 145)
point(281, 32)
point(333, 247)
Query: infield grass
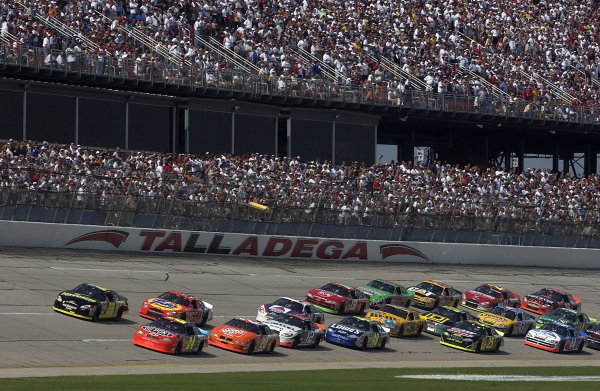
point(326, 380)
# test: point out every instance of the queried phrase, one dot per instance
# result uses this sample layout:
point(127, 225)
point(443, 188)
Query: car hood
point(164, 305)
point(282, 327)
point(373, 292)
point(480, 297)
point(345, 330)
point(326, 294)
point(437, 318)
point(157, 331)
point(233, 332)
point(77, 298)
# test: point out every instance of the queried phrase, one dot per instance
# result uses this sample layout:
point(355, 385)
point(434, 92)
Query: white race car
point(295, 330)
point(556, 337)
point(286, 305)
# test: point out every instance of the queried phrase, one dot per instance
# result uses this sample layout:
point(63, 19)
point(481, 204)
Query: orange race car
point(244, 336)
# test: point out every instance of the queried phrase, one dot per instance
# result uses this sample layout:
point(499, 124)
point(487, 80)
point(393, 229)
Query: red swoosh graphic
point(114, 237)
point(388, 250)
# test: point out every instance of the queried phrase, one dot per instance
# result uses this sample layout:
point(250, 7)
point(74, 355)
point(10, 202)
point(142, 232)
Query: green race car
point(573, 318)
point(442, 318)
point(382, 292)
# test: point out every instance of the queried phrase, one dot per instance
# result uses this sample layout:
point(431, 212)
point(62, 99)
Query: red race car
point(485, 297)
point(177, 305)
point(244, 336)
point(170, 335)
point(547, 299)
point(338, 299)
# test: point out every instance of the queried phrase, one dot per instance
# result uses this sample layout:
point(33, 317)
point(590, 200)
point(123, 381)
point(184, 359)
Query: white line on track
point(295, 276)
point(107, 270)
point(502, 378)
point(104, 340)
point(29, 313)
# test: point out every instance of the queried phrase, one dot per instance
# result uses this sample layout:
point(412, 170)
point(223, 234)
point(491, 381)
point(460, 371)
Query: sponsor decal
point(114, 237)
point(164, 304)
point(232, 332)
point(389, 250)
point(461, 332)
point(324, 293)
point(279, 309)
point(157, 331)
point(346, 328)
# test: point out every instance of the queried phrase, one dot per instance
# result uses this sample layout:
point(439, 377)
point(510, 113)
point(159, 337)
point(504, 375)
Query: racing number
point(487, 343)
point(375, 339)
point(189, 345)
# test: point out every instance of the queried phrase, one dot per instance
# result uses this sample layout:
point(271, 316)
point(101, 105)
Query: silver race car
point(295, 330)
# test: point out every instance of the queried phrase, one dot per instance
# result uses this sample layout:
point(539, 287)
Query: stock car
point(556, 337)
point(91, 302)
point(593, 338)
point(295, 330)
point(510, 321)
point(286, 305)
point(576, 319)
point(244, 336)
point(357, 332)
point(487, 296)
point(338, 299)
point(170, 335)
point(472, 336)
point(398, 320)
point(382, 292)
point(177, 305)
point(442, 318)
point(547, 299)
point(430, 294)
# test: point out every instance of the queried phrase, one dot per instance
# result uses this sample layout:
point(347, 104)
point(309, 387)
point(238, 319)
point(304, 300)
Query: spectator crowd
point(349, 190)
point(542, 51)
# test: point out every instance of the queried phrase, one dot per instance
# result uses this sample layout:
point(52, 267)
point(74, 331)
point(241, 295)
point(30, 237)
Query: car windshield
point(486, 290)
point(564, 314)
point(240, 324)
point(471, 327)
point(338, 290)
point(289, 320)
point(393, 310)
point(454, 316)
point(553, 295)
point(165, 324)
point(90, 291)
point(558, 329)
point(504, 312)
point(174, 298)
point(356, 323)
point(430, 287)
point(381, 285)
point(292, 305)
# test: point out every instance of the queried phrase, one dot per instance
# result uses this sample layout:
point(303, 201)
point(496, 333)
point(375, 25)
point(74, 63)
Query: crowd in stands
point(351, 190)
point(544, 51)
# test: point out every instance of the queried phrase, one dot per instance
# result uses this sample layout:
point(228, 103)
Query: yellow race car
point(511, 321)
point(399, 320)
point(430, 294)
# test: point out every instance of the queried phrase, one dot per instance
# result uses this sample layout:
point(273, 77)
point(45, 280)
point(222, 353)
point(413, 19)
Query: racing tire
point(183, 316)
point(436, 303)
point(561, 346)
point(401, 331)
point(204, 319)
point(178, 348)
point(200, 347)
point(363, 346)
point(119, 314)
point(496, 348)
point(316, 343)
point(580, 348)
point(383, 342)
point(296, 342)
point(342, 309)
point(251, 347)
point(455, 305)
point(362, 309)
point(271, 348)
point(510, 330)
point(96, 316)
point(419, 331)
point(478, 347)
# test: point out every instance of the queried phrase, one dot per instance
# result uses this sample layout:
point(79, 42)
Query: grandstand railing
point(179, 213)
point(232, 80)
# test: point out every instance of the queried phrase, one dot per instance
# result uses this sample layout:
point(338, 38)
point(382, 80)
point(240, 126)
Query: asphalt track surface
point(36, 341)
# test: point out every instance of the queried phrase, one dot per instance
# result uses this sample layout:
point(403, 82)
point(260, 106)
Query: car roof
point(440, 284)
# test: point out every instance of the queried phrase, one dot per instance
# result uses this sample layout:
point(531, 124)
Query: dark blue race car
point(357, 332)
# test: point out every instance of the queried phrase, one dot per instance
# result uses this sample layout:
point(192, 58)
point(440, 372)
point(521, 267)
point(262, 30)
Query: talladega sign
point(241, 245)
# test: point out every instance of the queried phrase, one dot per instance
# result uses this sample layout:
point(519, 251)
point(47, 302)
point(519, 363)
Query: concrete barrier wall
point(69, 236)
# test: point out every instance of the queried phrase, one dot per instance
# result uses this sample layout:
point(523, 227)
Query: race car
point(487, 296)
point(429, 294)
point(177, 305)
point(91, 302)
point(547, 299)
point(244, 336)
point(593, 338)
point(170, 335)
point(556, 337)
point(472, 336)
point(510, 321)
point(338, 299)
point(442, 318)
point(382, 292)
point(286, 305)
point(295, 330)
point(356, 332)
point(398, 320)
point(576, 319)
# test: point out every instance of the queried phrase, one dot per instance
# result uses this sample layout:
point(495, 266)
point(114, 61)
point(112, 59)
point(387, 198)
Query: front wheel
point(383, 342)
point(317, 342)
point(561, 346)
point(580, 348)
point(478, 347)
point(342, 309)
point(200, 347)
point(178, 348)
point(296, 342)
point(119, 314)
point(510, 330)
point(251, 347)
point(271, 348)
point(363, 346)
point(96, 316)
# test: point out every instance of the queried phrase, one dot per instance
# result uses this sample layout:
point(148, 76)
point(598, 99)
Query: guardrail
point(256, 86)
